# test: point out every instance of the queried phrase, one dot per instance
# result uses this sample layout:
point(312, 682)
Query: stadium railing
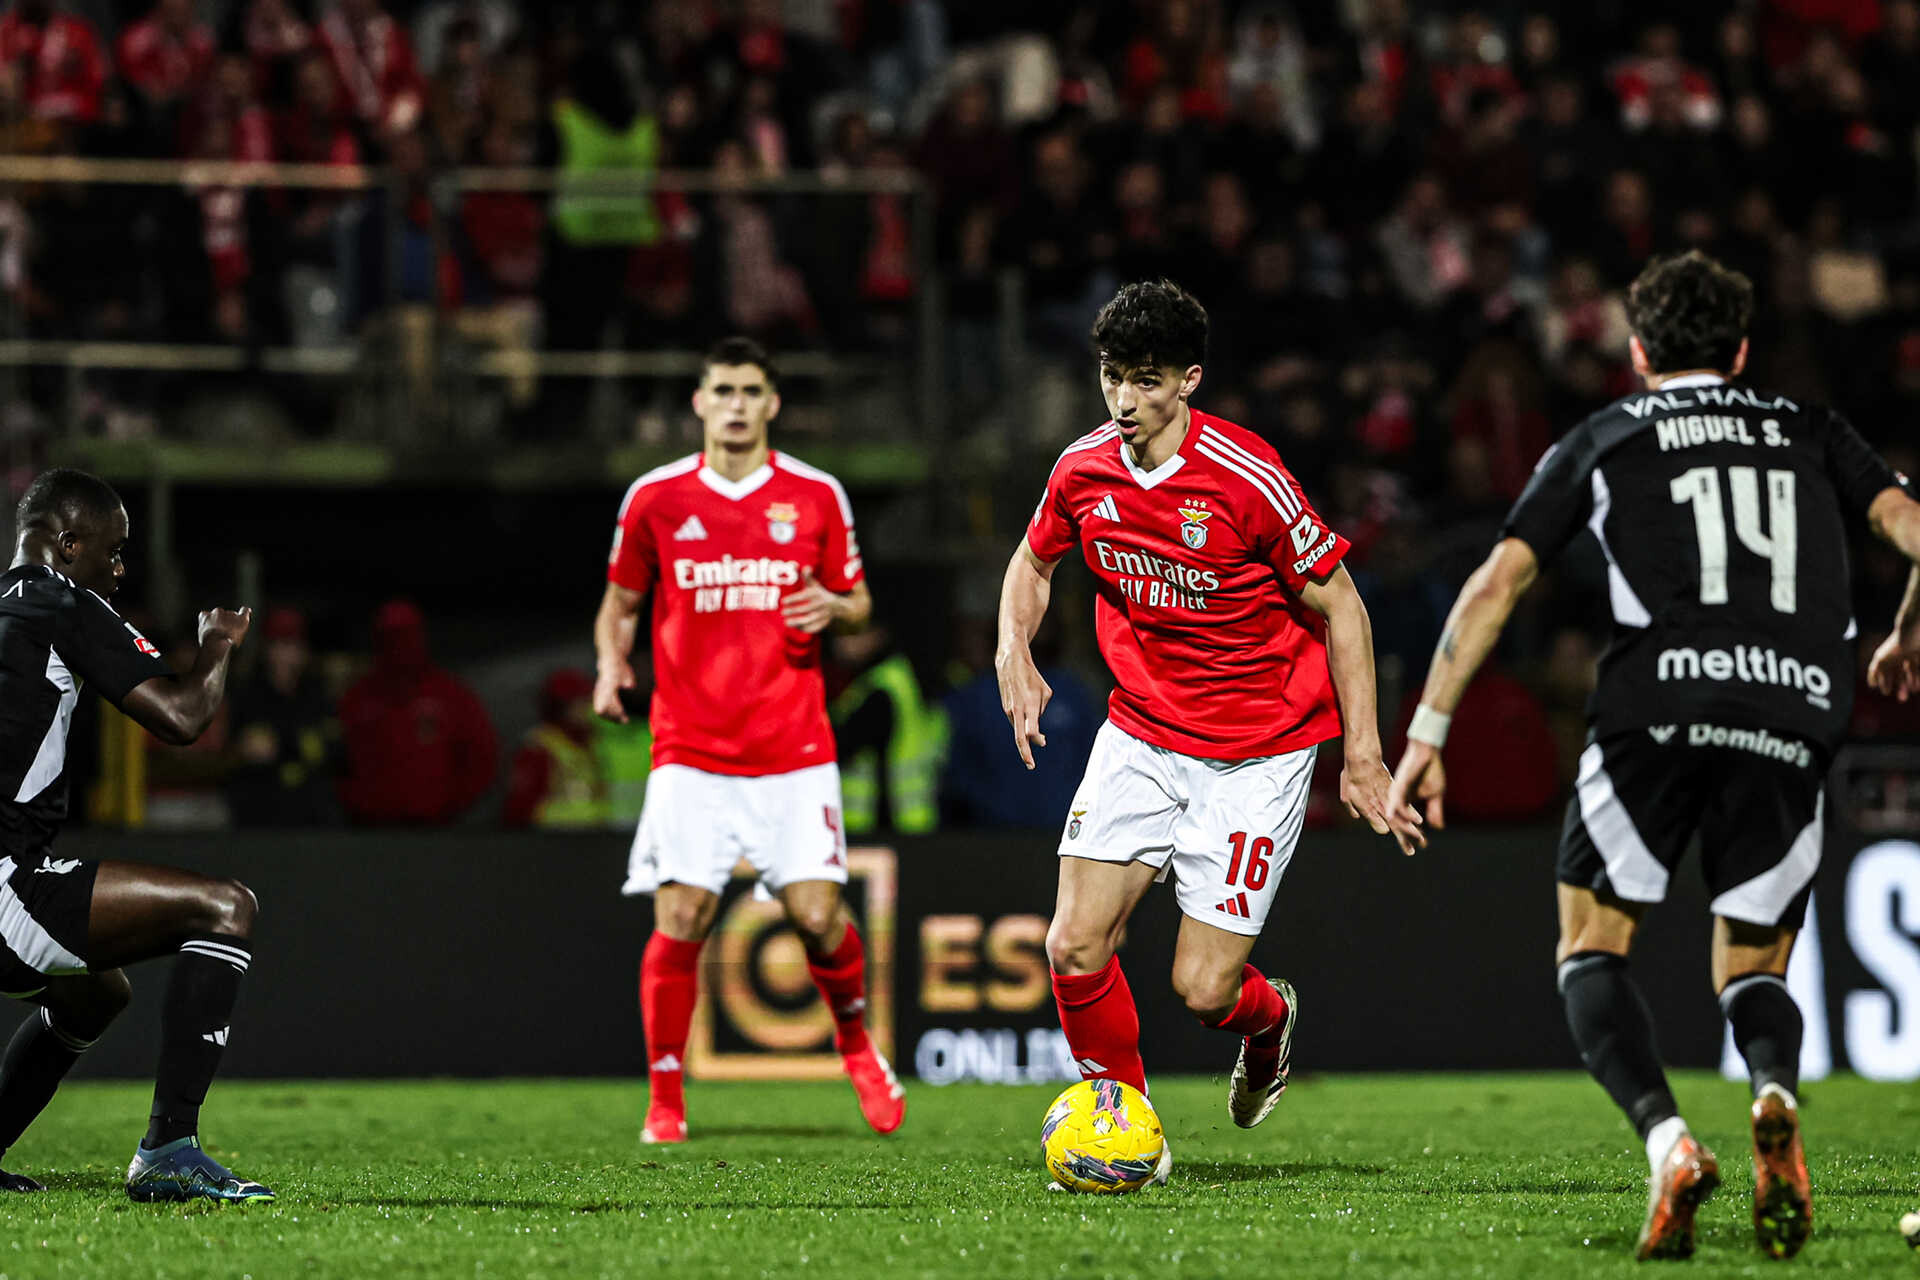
point(468, 385)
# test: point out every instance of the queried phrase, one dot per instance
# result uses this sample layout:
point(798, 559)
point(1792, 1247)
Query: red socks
point(1260, 1012)
point(842, 979)
point(1101, 1024)
point(667, 989)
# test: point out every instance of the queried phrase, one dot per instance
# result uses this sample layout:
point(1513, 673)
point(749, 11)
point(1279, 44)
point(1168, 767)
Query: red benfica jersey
point(735, 690)
point(1200, 563)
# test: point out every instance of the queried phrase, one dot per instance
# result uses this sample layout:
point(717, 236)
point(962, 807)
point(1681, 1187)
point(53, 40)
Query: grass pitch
point(1523, 1176)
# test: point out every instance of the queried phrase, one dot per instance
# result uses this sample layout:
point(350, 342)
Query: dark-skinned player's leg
point(143, 913)
point(74, 1010)
point(837, 960)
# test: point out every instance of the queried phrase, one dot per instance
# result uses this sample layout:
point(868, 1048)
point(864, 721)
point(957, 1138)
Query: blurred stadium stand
point(356, 298)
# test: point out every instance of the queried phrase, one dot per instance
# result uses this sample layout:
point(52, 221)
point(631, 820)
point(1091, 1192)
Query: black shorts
point(45, 902)
point(1756, 800)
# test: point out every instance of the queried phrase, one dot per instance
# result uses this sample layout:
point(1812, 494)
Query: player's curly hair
point(741, 351)
point(1690, 312)
point(61, 497)
point(1151, 324)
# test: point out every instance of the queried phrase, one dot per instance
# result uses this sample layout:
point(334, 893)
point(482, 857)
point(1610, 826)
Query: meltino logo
point(1748, 664)
point(729, 572)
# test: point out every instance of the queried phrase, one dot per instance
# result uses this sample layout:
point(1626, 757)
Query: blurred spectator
point(165, 57)
point(1424, 245)
point(276, 37)
point(1502, 764)
point(285, 743)
point(420, 748)
point(889, 740)
point(555, 780)
point(1499, 403)
point(1269, 55)
point(600, 129)
point(984, 783)
point(57, 59)
point(1656, 72)
point(373, 65)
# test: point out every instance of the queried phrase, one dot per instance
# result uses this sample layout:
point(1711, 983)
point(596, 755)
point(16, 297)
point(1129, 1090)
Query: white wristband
point(1429, 726)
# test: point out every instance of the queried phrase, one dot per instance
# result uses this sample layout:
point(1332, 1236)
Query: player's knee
point(682, 917)
point(818, 925)
point(231, 908)
point(1075, 950)
point(1209, 997)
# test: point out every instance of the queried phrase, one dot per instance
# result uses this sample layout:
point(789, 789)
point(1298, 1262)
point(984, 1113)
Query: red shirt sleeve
point(635, 558)
point(840, 563)
point(1053, 531)
point(1298, 543)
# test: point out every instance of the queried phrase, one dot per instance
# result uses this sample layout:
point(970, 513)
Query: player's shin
point(668, 987)
point(1259, 1013)
point(194, 1025)
point(36, 1060)
point(1613, 1031)
point(841, 976)
point(1101, 1024)
point(1767, 1028)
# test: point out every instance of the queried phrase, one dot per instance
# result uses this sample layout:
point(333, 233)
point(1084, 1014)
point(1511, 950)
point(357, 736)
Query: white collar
point(1694, 380)
point(1148, 479)
point(735, 490)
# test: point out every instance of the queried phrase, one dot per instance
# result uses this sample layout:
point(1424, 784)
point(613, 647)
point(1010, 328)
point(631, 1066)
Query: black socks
point(193, 1032)
point(1614, 1033)
point(36, 1059)
point(1767, 1027)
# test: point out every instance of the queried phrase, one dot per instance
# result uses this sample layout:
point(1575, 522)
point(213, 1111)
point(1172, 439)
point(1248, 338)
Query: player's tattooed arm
point(1364, 780)
point(1024, 693)
point(614, 630)
point(178, 709)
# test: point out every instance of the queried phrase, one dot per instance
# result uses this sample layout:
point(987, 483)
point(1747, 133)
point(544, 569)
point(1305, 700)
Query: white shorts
point(695, 827)
point(1226, 829)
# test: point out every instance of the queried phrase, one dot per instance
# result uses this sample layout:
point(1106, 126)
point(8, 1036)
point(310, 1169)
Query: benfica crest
point(1193, 529)
point(1073, 828)
point(783, 522)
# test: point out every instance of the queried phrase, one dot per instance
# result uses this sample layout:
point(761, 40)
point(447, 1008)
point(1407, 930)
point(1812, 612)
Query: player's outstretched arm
point(1895, 668)
point(1364, 780)
point(1474, 625)
point(178, 709)
point(1023, 602)
point(614, 628)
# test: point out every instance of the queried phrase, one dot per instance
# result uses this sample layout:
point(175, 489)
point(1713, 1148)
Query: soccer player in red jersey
point(749, 555)
point(1230, 626)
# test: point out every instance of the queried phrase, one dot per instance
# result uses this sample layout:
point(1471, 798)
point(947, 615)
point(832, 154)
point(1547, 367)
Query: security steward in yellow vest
point(556, 782)
point(890, 739)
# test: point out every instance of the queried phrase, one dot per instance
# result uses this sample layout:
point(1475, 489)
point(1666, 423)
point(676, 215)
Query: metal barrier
point(440, 357)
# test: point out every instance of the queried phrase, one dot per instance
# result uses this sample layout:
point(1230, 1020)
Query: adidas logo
point(1661, 733)
point(1089, 1067)
point(665, 1062)
point(60, 867)
point(217, 1037)
point(1106, 509)
point(691, 531)
point(1234, 906)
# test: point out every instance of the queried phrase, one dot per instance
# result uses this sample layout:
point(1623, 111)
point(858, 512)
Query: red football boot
point(882, 1101)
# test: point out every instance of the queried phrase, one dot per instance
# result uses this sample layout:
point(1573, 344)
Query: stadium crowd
point(1411, 222)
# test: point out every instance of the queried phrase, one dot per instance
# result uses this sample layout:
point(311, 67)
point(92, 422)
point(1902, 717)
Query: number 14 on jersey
point(1778, 543)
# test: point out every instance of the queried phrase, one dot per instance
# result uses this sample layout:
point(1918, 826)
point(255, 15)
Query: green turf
point(1524, 1176)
